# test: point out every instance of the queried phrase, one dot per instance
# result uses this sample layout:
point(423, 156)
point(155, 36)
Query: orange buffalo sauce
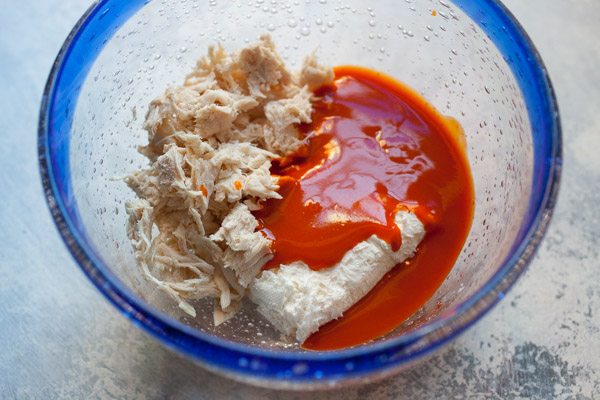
point(374, 147)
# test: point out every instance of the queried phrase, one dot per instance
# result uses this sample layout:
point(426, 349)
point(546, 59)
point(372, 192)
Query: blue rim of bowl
point(70, 68)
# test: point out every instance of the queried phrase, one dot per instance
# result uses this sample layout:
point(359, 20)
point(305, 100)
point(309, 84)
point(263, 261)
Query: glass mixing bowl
point(470, 58)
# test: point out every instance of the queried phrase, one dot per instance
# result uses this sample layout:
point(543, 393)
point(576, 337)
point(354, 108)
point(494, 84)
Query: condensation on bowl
point(444, 56)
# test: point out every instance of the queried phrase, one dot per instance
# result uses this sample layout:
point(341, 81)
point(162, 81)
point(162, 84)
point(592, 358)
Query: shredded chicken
point(211, 143)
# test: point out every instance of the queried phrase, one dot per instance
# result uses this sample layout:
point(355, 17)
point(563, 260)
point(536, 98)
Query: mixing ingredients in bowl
point(336, 200)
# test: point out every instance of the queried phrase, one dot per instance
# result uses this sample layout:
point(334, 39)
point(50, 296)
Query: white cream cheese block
point(298, 300)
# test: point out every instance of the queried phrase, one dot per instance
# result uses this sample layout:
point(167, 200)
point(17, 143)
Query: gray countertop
point(59, 338)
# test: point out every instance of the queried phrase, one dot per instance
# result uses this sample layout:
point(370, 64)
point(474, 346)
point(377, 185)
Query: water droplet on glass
point(330, 24)
point(300, 368)
point(305, 31)
point(292, 23)
point(319, 21)
point(270, 27)
point(372, 22)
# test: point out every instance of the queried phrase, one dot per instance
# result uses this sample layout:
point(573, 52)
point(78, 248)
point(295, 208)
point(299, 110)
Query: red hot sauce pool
point(374, 147)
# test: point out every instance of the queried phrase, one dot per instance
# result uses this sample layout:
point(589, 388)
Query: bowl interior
point(431, 46)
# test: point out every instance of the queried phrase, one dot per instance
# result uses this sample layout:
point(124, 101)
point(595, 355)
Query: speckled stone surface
point(60, 339)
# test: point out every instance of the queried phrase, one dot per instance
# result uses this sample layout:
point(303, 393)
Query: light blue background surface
point(60, 339)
